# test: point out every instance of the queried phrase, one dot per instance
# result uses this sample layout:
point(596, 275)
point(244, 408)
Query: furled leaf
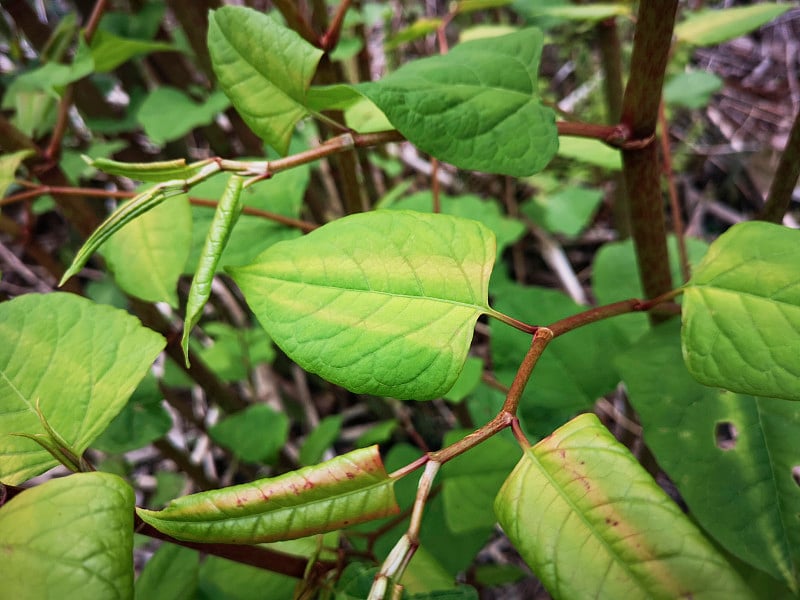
point(732, 457)
point(69, 538)
point(109, 50)
point(264, 68)
point(137, 206)
point(225, 217)
point(155, 172)
point(710, 27)
point(147, 255)
point(592, 523)
point(282, 194)
point(476, 107)
point(382, 303)
point(167, 113)
point(77, 360)
point(254, 434)
point(349, 489)
point(741, 317)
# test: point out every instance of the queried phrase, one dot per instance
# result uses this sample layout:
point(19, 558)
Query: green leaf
point(264, 68)
point(74, 163)
point(615, 276)
point(137, 206)
point(349, 489)
point(381, 303)
point(597, 11)
point(171, 574)
point(692, 89)
point(235, 350)
point(255, 434)
point(475, 107)
point(468, 380)
point(710, 27)
point(9, 163)
point(141, 421)
point(225, 217)
point(567, 211)
point(168, 114)
point(148, 254)
point(471, 481)
point(593, 152)
point(732, 457)
point(281, 194)
point(320, 439)
point(506, 230)
point(109, 50)
point(576, 369)
point(69, 538)
point(591, 522)
point(741, 317)
point(78, 360)
point(155, 172)
point(229, 580)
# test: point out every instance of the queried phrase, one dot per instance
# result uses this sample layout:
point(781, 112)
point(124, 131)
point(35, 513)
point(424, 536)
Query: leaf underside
point(349, 489)
point(381, 303)
point(579, 497)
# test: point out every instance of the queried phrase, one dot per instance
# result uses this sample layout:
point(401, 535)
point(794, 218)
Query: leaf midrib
point(481, 308)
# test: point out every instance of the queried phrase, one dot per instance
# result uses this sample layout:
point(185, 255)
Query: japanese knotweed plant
point(385, 303)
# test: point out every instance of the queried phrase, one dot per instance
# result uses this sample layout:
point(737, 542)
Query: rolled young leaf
point(349, 489)
point(381, 303)
point(225, 217)
point(592, 523)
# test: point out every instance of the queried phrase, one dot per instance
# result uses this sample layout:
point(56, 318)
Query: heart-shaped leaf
point(69, 538)
point(741, 316)
point(77, 361)
point(476, 107)
point(592, 523)
point(264, 68)
point(381, 303)
point(349, 489)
